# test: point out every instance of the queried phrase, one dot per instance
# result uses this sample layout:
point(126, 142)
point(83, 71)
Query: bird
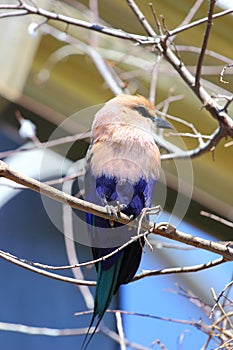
point(122, 168)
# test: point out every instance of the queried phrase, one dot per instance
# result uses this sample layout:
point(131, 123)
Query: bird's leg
point(143, 220)
point(151, 211)
point(140, 222)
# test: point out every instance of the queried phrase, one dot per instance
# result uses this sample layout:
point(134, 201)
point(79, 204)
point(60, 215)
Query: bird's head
point(127, 113)
point(144, 109)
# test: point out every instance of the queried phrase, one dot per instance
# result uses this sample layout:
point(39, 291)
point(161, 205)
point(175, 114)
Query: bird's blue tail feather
point(106, 287)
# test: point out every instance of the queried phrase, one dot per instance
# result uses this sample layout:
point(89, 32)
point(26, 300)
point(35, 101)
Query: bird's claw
point(113, 211)
point(120, 206)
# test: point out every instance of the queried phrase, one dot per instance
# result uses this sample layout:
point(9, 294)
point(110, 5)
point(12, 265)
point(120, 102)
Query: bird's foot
point(120, 206)
point(113, 211)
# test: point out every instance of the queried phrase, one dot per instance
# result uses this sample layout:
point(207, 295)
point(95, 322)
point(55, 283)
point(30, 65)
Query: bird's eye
point(143, 111)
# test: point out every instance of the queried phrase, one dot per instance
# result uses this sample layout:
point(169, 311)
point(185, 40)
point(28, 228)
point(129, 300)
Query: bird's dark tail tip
point(89, 336)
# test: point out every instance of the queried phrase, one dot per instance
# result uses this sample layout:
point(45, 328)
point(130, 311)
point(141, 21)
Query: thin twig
point(113, 335)
point(189, 125)
point(34, 267)
point(94, 18)
point(204, 44)
point(216, 218)
point(228, 144)
point(204, 347)
point(132, 313)
point(224, 315)
point(186, 134)
point(220, 295)
point(199, 22)
point(110, 77)
point(211, 53)
point(190, 15)
point(120, 330)
point(169, 99)
point(154, 79)
point(51, 332)
point(70, 248)
point(150, 31)
point(10, 258)
point(156, 19)
point(207, 146)
point(222, 80)
point(48, 144)
point(174, 270)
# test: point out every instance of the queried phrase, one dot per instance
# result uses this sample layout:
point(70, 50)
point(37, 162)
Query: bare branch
point(193, 10)
point(34, 267)
point(26, 9)
point(187, 134)
point(161, 45)
point(165, 230)
point(211, 106)
point(10, 258)
point(154, 79)
point(120, 330)
point(198, 22)
point(70, 248)
point(204, 44)
point(162, 229)
point(229, 144)
point(150, 31)
point(207, 146)
point(74, 45)
point(131, 313)
point(48, 144)
point(217, 218)
point(157, 22)
point(189, 125)
point(51, 332)
point(229, 65)
point(55, 194)
point(210, 53)
point(13, 13)
point(108, 332)
point(221, 308)
point(175, 270)
point(190, 15)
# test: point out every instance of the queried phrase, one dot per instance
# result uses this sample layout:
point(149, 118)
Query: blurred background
point(54, 75)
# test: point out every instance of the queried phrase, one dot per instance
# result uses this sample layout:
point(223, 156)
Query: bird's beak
point(162, 123)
